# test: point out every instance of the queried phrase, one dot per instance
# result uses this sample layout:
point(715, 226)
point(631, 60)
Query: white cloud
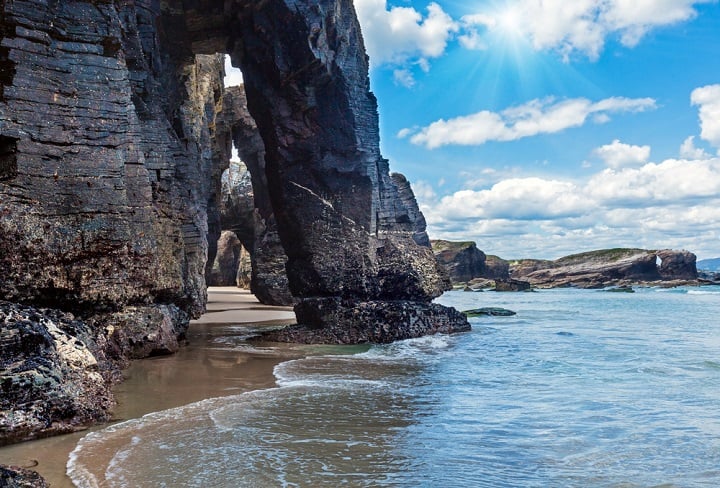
point(404, 77)
point(584, 25)
point(424, 191)
point(472, 38)
point(617, 154)
point(689, 151)
point(535, 117)
point(516, 198)
point(402, 33)
point(708, 99)
point(403, 133)
point(672, 180)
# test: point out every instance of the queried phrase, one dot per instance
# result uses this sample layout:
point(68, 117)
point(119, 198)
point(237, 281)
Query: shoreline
point(208, 366)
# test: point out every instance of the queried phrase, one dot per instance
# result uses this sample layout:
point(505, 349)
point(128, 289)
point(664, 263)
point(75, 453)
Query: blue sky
point(543, 128)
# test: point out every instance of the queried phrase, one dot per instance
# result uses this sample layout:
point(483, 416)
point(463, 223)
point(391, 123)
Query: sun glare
point(509, 22)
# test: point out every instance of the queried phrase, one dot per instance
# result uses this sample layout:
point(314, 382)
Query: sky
point(541, 128)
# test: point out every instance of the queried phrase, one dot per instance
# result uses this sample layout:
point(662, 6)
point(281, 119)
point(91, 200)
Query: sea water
point(582, 388)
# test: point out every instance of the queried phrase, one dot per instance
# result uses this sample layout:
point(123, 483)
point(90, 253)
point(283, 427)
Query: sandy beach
point(207, 367)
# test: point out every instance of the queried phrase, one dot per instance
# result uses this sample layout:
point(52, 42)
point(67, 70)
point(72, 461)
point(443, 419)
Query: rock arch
point(119, 142)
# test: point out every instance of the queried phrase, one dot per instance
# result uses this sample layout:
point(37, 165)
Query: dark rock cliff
point(463, 260)
point(113, 140)
point(246, 208)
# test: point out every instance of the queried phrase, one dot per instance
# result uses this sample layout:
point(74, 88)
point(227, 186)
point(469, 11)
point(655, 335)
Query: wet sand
point(213, 364)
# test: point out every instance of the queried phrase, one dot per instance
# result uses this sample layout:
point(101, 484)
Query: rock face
point(14, 477)
point(496, 268)
point(463, 260)
point(115, 164)
point(598, 269)
point(54, 377)
point(677, 265)
point(227, 261)
point(339, 217)
point(410, 205)
point(114, 132)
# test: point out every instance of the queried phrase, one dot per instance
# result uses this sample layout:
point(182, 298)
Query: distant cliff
point(598, 269)
point(467, 265)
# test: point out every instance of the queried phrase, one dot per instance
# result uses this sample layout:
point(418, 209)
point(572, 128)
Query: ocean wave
point(409, 348)
point(703, 292)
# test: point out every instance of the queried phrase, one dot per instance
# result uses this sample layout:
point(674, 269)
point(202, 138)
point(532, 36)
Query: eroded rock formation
point(463, 260)
point(54, 376)
point(112, 144)
point(607, 267)
point(246, 208)
point(227, 260)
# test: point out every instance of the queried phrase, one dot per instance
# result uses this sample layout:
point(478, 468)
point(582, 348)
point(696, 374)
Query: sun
point(509, 22)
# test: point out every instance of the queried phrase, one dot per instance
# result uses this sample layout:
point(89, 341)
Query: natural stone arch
point(138, 175)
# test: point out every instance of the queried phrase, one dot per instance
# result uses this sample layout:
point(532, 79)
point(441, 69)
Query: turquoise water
point(580, 389)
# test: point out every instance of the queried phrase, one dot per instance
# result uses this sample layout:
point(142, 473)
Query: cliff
point(598, 269)
point(114, 132)
point(463, 260)
point(467, 265)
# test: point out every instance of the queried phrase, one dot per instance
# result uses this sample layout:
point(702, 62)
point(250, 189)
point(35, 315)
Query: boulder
point(677, 265)
point(512, 285)
point(55, 377)
point(15, 477)
point(489, 311)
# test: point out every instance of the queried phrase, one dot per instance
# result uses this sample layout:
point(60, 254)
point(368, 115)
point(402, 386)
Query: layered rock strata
point(338, 213)
point(608, 267)
point(246, 208)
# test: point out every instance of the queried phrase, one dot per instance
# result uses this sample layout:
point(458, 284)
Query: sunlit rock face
point(113, 142)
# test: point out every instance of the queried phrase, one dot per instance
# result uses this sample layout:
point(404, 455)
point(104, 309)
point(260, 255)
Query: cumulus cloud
point(516, 198)
point(674, 203)
point(689, 151)
point(402, 34)
point(617, 154)
point(707, 98)
point(673, 180)
point(535, 117)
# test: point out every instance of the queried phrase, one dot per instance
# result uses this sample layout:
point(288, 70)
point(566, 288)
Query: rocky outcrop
point(368, 322)
point(244, 272)
point(512, 285)
point(496, 268)
point(227, 261)
point(115, 159)
point(598, 269)
point(463, 260)
point(339, 216)
point(54, 376)
point(16, 477)
point(677, 265)
point(410, 208)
